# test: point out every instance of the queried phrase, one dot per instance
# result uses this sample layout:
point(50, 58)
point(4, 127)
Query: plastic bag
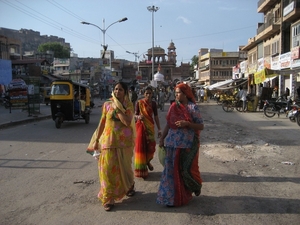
point(162, 155)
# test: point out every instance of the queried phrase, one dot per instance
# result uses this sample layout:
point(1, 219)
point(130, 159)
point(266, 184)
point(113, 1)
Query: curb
point(29, 120)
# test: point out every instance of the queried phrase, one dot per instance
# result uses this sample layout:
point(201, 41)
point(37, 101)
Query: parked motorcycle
point(271, 108)
point(294, 113)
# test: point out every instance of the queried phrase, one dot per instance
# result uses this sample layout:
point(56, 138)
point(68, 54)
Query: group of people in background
point(126, 135)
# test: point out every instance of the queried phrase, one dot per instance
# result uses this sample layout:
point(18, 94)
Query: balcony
point(251, 44)
point(265, 5)
point(266, 30)
point(291, 12)
point(203, 68)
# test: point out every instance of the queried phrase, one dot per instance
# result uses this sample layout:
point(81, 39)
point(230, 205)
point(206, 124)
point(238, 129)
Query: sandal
point(131, 191)
point(108, 207)
point(150, 167)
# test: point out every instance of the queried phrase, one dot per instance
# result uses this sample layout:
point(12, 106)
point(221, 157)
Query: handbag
point(162, 155)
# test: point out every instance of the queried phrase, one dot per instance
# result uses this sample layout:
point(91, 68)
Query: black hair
point(124, 86)
point(149, 89)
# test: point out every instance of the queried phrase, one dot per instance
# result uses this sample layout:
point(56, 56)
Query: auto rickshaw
point(69, 101)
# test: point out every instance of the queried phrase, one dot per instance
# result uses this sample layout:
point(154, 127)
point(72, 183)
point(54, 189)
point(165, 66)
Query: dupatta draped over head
point(186, 89)
point(120, 107)
point(188, 157)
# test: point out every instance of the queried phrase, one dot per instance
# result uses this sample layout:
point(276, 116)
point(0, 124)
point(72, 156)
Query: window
point(275, 47)
point(260, 49)
point(267, 51)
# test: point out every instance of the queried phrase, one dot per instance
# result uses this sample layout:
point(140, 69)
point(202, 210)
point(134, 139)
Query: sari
point(145, 139)
point(116, 144)
point(181, 176)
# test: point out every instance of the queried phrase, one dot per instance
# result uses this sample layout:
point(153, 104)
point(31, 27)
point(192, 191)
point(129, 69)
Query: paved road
point(47, 178)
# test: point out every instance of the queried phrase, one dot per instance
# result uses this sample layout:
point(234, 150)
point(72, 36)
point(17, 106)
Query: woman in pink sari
point(145, 135)
point(181, 175)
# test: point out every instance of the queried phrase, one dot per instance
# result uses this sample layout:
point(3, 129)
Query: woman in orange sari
point(145, 135)
point(181, 175)
point(112, 144)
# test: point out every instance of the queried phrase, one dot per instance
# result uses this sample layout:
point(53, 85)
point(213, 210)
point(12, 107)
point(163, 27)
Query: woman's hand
point(161, 142)
point(159, 134)
point(96, 154)
point(182, 123)
point(95, 145)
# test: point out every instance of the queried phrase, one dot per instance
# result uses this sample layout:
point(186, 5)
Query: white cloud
point(185, 20)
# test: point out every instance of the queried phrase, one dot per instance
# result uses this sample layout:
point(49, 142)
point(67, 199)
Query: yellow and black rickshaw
point(69, 101)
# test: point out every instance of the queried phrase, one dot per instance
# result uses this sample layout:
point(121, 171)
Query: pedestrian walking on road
point(162, 99)
point(171, 96)
point(133, 96)
point(202, 95)
point(145, 143)
point(242, 95)
point(112, 145)
point(181, 175)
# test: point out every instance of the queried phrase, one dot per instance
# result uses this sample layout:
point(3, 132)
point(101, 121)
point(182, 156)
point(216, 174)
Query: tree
point(59, 50)
point(194, 61)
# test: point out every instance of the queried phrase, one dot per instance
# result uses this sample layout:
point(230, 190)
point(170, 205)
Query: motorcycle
point(271, 108)
point(293, 113)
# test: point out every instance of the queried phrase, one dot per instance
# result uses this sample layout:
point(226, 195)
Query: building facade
point(215, 65)
point(273, 53)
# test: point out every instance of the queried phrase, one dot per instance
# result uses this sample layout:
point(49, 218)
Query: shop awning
point(260, 76)
point(227, 84)
point(234, 86)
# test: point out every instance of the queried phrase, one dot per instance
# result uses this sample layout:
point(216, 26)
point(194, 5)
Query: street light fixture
point(152, 9)
point(133, 53)
point(103, 30)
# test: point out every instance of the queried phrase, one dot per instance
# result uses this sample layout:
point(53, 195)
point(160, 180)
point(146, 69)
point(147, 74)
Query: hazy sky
point(190, 24)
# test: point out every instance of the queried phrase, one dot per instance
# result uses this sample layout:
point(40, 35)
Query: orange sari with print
point(145, 139)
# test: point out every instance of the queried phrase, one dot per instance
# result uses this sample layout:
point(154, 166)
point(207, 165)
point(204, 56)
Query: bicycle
point(230, 105)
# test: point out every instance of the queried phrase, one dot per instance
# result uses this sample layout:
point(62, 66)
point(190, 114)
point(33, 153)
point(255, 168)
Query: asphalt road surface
point(249, 164)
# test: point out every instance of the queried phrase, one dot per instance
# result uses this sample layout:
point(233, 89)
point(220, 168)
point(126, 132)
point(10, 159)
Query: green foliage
point(59, 50)
point(194, 61)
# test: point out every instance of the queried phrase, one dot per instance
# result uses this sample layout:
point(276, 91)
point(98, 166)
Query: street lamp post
point(136, 57)
point(103, 30)
point(152, 9)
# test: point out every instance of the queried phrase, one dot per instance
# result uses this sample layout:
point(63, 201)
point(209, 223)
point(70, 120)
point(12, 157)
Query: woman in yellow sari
point(145, 139)
point(112, 144)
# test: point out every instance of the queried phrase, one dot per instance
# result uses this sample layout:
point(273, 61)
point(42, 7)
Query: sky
point(190, 24)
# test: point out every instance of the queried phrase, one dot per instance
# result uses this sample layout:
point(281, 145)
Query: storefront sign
point(260, 63)
point(295, 63)
point(285, 60)
point(275, 63)
point(289, 8)
point(243, 66)
point(295, 52)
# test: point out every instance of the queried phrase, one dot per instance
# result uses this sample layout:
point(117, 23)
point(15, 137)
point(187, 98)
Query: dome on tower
point(172, 45)
point(159, 77)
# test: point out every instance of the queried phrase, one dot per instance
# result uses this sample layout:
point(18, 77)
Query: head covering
point(120, 106)
point(186, 89)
